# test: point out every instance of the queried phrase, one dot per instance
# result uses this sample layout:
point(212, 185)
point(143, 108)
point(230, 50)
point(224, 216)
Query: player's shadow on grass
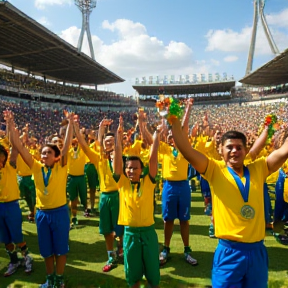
point(277, 258)
point(169, 282)
point(81, 253)
point(178, 266)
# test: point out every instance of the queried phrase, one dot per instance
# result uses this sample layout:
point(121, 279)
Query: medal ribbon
point(175, 152)
point(46, 176)
point(244, 190)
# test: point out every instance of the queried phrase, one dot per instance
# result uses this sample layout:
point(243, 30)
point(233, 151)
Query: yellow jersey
point(104, 169)
point(9, 190)
point(228, 202)
point(76, 161)
point(174, 168)
point(136, 202)
point(54, 195)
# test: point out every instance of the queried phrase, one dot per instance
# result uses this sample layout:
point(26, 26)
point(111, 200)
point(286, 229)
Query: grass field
point(88, 255)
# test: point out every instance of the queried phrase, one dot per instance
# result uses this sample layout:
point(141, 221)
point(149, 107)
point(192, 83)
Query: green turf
point(88, 255)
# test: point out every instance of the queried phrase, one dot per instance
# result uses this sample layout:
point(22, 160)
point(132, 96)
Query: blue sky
point(136, 38)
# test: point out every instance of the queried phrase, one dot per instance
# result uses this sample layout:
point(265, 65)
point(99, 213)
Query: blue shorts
point(176, 200)
point(10, 223)
point(53, 231)
point(240, 265)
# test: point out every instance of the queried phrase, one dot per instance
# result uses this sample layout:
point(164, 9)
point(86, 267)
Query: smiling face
point(57, 141)
point(48, 157)
point(133, 170)
point(109, 143)
point(234, 153)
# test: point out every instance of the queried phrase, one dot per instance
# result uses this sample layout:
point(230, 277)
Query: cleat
point(12, 268)
point(28, 260)
point(188, 258)
point(164, 256)
point(110, 265)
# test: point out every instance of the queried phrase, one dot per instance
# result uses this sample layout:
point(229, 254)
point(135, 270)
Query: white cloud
point(135, 54)
point(231, 58)
point(41, 4)
point(44, 21)
point(229, 40)
point(279, 19)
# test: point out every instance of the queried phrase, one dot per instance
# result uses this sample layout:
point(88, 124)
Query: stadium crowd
point(24, 83)
point(128, 163)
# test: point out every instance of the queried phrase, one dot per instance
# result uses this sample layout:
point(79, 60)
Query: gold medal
point(247, 212)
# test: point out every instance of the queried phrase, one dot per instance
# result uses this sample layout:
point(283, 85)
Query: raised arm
point(277, 158)
point(259, 144)
point(69, 133)
point(118, 161)
point(185, 120)
point(198, 160)
point(153, 161)
point(15, 140)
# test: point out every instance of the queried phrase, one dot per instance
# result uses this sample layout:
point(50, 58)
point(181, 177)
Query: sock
point(50, 278)
point(59, 279)
point(187, 249)
point(10, 248)
point(166, 248)
point(110, 254)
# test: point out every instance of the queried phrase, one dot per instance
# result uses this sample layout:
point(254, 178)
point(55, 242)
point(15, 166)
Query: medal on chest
point(246, 211)
point(46, 177)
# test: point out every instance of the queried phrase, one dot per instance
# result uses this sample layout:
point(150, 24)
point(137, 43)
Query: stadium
point(41, 75)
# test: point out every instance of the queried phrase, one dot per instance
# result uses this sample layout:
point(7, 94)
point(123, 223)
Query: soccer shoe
point(164, 255)
point(188, 258)
point(12, 268)
point(49, 282)
point(87, 213)
point(111, 264)
point(28, 260)
point(31, 218)
point(74, 223)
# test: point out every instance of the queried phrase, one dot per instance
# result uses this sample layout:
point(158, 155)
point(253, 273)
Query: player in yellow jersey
point(10, 213)
point(76, 182)
point(109, 200)
point(136, 213)
point(26, 183)
point(176, 194)
point(52, 217)
point(241, 258)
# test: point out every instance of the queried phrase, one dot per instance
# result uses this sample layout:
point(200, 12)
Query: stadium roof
point(274, 72)
point(27, 45)
point(182, 89)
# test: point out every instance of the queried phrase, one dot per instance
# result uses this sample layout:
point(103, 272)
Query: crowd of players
point(89, 143)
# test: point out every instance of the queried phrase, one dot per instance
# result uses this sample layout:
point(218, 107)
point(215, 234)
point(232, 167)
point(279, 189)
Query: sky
point(139, 38)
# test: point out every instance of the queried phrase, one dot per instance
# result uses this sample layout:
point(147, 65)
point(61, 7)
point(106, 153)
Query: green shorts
point(92, 176)
point(27, 189)
point(141, 255)
point(76, 186)
point(108, 212)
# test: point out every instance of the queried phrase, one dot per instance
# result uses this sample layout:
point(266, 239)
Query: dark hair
point(109, 134)
point(53, 147)
point(4, 152)
point(131, 158)
point(234, 135)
